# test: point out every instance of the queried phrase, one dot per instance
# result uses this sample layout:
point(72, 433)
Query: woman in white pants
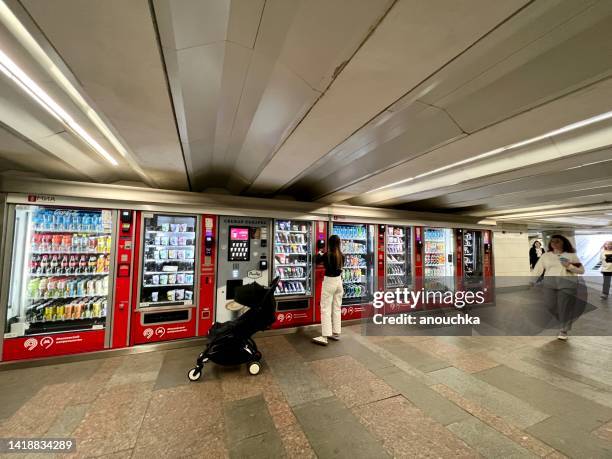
point(332, 291)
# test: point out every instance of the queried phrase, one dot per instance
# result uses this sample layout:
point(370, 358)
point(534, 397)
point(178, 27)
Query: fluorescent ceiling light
point(513, 146)
point(12, 70)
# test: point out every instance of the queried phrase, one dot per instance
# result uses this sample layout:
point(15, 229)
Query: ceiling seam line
point(457, 56)
point(160, 50)
point(335, 75)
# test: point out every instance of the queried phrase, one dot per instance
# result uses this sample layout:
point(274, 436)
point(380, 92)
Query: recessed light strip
point(12, 70)
point(513, 146)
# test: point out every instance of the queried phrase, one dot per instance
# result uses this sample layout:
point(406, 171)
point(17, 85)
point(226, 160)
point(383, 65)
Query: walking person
point(561, 268)
point(606, 269)
point(332, 291)
point(535, 253)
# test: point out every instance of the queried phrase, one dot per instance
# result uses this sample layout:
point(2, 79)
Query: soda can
point(163, 279)
point(170, 294)
point(171, 278)
point(180, 294)
point(154, 296)
point(155, 279)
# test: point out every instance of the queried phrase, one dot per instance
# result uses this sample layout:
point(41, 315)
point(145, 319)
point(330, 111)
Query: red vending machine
point(293, 258)
point(474, 271)
point(359, 270)
point(395, 266)
point(58, 289)
point(167, 277)
point(435, 260)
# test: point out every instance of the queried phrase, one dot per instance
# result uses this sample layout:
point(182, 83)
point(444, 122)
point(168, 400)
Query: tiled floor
point(371, 397)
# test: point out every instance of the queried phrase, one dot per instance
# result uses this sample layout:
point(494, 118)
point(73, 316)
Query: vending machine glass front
point(61, 260)
point(358, 249)
point(169, 252)
point(293, 257)
point(398, 256)
point(438, 259)
point(472, 255)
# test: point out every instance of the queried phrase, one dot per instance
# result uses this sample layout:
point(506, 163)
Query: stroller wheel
point(254, 368)
point(194, 374)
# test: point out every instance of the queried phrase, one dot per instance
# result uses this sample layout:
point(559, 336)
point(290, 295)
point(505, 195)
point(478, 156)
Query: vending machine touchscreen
point(239, 244)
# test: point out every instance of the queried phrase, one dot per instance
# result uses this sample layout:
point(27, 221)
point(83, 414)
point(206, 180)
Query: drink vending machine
point(172, 294)
point(395, 264)
point(57, 293)
point(358, 273)
point(244, 254)
point(434, 259)
point(294, 262)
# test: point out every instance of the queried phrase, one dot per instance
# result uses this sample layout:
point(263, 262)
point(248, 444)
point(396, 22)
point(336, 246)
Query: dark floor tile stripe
point(334, 431)
point(584, 414)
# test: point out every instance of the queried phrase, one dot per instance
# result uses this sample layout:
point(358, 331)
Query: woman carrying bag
point(561, 269)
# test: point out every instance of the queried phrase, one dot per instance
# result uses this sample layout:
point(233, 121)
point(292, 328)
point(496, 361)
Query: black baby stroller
point(230, 343)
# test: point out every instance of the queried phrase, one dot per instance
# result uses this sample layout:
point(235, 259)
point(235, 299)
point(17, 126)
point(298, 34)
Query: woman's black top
point(329, 261)
point(533, 256)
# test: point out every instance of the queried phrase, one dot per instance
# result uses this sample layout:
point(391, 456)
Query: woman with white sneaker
point(332, 291)
point(561, 268)
point(606, 269)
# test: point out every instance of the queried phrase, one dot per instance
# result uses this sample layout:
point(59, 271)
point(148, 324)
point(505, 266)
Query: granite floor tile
point(585, 414)
point(414, 357)
point(138, 368)
point(493, 399)
point(295, 443)
point(487, 441)
point(298, 381)
point(246, 418)
point(87, 390)
point(112, 423)
point(512, 432)
point(421, 395)
point(262, 446)
point(564, 437)
point(351, 382)
point(39, 413)
point(464, 360)
point(176, 364)
point(405, 431)
point(333, 431)
point(179, 418)
point(67, 421)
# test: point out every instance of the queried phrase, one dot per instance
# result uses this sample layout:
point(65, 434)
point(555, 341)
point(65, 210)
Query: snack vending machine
point(167, 277)
point(244, 254)
point(395, 262)
point(473, 260)
point(294, 263)
point(438, 259)
point(59, 282)
point(358, 273)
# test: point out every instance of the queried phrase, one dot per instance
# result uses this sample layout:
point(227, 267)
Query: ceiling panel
point(394, 60)
point(111, 48)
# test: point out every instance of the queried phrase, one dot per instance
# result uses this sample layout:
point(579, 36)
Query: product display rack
point(397, 257)
point(168, 276)
point(293, 257)
point(356, 273)
point(468, 254)
point(64, 256)
point(434, 259)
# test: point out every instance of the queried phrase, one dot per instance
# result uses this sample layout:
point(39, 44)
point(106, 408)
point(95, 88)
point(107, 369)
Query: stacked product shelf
point(292, 257)
point(168, 276)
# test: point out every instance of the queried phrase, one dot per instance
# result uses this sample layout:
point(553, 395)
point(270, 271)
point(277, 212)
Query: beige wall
point(511, 258)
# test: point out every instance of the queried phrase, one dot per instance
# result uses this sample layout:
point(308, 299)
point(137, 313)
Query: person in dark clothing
point(332, 291)
point(535, 253)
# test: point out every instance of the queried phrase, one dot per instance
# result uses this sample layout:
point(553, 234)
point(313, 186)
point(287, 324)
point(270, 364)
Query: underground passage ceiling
point(501, 110)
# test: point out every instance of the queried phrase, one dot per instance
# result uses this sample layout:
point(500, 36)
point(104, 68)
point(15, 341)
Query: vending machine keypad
point(239, 244)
